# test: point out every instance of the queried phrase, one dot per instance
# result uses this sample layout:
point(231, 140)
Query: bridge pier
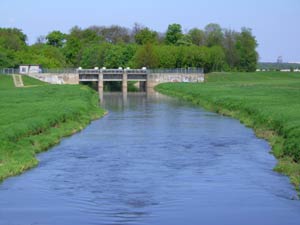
point(100, 85)
point(146, 79)
point(100, 82)
point(124, 82)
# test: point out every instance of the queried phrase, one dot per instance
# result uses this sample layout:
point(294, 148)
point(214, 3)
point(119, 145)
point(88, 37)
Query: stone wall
point(52, 78)
point(153, 78)
point(158, 78)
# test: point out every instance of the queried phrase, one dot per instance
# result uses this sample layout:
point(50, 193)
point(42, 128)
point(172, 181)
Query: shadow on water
point(153, 160)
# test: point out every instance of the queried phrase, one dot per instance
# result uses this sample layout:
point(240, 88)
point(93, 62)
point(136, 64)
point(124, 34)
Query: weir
point(147, 78)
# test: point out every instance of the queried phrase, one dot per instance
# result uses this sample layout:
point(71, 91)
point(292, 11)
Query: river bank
point(36, 117)
point(267, 102)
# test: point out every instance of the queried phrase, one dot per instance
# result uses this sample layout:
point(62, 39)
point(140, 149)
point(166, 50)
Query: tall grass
point(268, 102)
point(34, 118)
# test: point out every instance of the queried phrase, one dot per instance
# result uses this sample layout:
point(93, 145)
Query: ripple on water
point(158, 161)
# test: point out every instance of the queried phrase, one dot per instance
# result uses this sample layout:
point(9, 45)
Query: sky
point(274, 23)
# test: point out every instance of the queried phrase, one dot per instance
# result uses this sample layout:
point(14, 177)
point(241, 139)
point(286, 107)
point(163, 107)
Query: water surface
point(153, 160)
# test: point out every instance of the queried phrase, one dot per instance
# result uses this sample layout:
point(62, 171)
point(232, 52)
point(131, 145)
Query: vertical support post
point(124, 82)
point(100, 85)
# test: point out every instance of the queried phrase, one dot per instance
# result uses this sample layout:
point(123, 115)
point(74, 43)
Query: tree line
point(212, 48)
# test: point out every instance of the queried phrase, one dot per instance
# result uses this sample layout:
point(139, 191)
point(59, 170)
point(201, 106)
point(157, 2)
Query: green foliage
point(197, 36)
point(167, 56)
point(113, 34)
point(229, 44)
point(215, 49)
point(216, 59)
point(119, 56)
point(185, 40)
point(7, 58)
point(146, 57)
point(174, 34)
point(246, 45)
point(264, 101)
point(145, 36)
point(214, 35)
point(12, 39)
point(56, 38)
point(94, 55)
point(35, 118)
point(45, 55)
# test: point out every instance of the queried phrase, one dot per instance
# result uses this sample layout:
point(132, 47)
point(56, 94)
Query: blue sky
point(275, 23)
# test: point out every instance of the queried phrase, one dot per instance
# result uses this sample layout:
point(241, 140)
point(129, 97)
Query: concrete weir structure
point(146, 78)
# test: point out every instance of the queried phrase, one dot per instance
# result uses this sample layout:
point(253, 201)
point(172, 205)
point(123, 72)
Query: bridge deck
point(112, 75)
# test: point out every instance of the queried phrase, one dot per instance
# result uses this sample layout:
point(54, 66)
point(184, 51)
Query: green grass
point(269, 102)
point(28, 81)
point(32, 119)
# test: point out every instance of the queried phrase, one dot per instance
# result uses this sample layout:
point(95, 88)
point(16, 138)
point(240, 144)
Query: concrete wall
point(153, 78)
point(52, 78)
point(158, 78)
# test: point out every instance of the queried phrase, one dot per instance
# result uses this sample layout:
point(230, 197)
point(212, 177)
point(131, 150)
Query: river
point(153, 160)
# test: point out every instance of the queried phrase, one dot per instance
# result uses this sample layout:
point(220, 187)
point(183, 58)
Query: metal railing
point(178, 70)
point(59, 70)
point(110, 71)
point(9, 71)
point(136, 71)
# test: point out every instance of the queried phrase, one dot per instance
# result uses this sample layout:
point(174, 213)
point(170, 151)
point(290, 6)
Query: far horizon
point(273, 23)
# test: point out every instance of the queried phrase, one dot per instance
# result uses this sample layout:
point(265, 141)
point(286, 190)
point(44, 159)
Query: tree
point(119, 55)
point(197, 36)
point(72, 50)
point(56, 38)
point(216, 58)
point(94, 55)
point(229, 45)
point(46, 55)
point(167, 56)
point(41, 39)
point(214, 34)
point(173, 34)
point(77, 41)
point(146, 57)
point(145, 35)
point(185, 40)
point(12, 39)
point(114, 34)
point(246, 48)
point(7, 58)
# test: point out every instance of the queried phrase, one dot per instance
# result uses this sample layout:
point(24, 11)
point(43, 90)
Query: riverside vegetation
point(267, 102)
point(36, 117)
point(212, 48)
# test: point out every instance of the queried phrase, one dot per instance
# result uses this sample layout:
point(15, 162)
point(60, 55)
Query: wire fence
point(59, 70)
point(178, 70)
point(9, 71)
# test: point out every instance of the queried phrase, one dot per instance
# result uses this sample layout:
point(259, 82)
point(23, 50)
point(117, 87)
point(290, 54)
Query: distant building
point(285, 70)
point(30, 69)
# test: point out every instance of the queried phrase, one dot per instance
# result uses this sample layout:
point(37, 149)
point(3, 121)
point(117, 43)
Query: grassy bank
point(267, 102)
point(36, 117)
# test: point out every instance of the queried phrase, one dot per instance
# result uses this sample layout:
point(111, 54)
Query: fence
point(178, 70)
point(9, 71)
point(73, 70)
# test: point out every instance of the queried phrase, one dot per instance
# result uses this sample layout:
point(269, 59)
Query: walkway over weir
point(146, 78)
point(112, 74)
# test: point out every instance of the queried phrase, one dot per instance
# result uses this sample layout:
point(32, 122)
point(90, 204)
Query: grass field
point(36, 117)
point(268, 102)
